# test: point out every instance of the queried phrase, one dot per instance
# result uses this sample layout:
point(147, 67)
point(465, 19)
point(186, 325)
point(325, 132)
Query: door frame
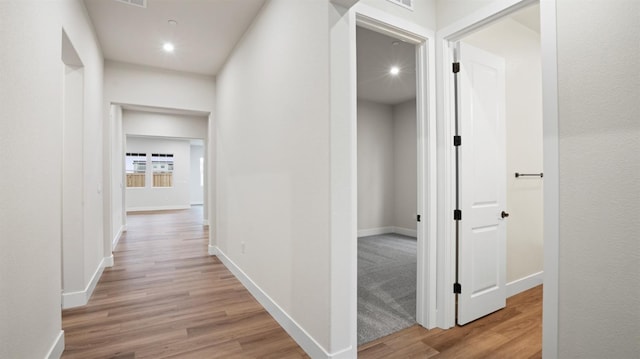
point(423, 39)
point(111, 239)
point(343, 342)
point(446, 166)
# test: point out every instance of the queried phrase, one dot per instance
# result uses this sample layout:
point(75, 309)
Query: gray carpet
point(386, 285)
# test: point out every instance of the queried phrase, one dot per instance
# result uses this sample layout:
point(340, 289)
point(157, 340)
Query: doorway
point(74, 291)
point(497, 124)
point(152, 167)
point(387, 184)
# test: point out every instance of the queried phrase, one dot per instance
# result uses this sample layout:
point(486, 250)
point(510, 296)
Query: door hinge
point(457, 288)
point(457, 140)
point(457, 215)
point(456, 67)
point(418, 217)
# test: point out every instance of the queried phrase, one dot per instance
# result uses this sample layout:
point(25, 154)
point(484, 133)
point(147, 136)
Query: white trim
point(551, 191)
point(424, 39)
point(57, 347)
point(116, 239)
point(520, 285)
point(205, 222)
point(484, 16)
point(405, 231)
point(306, 341)
point(379, 17)
point(74, 299)
point(157, 208)
point(80, 298)
point(445, 224)
point(213, 250)
point(384, 230)
point(343, 298)
point(108, 261)
point(374, 231)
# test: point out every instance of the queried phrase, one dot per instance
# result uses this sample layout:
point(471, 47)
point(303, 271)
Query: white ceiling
point(206, 32)
point(376, 54)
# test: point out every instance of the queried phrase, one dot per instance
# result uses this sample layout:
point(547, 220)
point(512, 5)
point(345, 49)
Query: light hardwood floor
point(165, 297)
point(510, 333)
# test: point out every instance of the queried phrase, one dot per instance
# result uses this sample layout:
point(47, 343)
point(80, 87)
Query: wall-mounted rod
point(518, 174)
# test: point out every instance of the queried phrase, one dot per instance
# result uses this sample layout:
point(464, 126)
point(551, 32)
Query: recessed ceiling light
point(172, 22)
point(168, 47)
point(394, 70)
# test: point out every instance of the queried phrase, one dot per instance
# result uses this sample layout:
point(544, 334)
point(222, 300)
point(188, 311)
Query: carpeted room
point(387, 185)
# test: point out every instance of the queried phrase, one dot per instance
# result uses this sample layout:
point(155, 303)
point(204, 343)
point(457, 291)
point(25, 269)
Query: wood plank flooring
point(165, 297)
point(513, 332)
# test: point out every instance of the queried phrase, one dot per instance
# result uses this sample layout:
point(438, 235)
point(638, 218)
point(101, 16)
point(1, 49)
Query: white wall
point(423, 13)
point(387, 168)
point(196, 190)
point(376, 175)
point(160, 198)
point(599, 132)
point(146, 86)
point(30, 282)
point(273, 160)
point(449, 11)
point(520, 47)
point(405, 165)
point(155, 88)
point(142, 123)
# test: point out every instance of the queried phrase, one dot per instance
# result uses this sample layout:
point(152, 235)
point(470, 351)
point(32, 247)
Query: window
point(136, 166)
point(162, 165)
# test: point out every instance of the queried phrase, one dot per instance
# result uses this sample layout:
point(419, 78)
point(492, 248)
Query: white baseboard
point(55, 352)
point(108, 261)
point(116, 239)
point(80, 298)
point(157, 208)
point(526, 283)
point(405, 231)
point(213, 250)
point(308, 344)
point(385, 230)
point(205, 222)
point(374, 231)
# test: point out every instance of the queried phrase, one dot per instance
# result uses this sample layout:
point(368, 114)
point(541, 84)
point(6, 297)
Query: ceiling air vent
point(404, 3)
point(140, 3)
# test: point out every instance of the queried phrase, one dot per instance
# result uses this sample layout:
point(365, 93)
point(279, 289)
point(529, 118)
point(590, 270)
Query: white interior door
point(482, 191)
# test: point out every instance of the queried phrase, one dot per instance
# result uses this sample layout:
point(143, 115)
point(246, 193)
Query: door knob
point(504, 214)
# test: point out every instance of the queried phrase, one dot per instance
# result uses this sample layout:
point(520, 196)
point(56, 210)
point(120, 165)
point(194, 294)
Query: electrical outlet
point(242, 247)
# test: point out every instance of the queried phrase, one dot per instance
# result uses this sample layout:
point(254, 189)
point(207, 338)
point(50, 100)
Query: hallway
point(165, 297)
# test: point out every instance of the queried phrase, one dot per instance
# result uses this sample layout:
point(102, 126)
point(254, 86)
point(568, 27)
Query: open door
point(482, 184)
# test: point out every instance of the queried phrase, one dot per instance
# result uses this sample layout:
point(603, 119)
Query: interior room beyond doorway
point(387, 185)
